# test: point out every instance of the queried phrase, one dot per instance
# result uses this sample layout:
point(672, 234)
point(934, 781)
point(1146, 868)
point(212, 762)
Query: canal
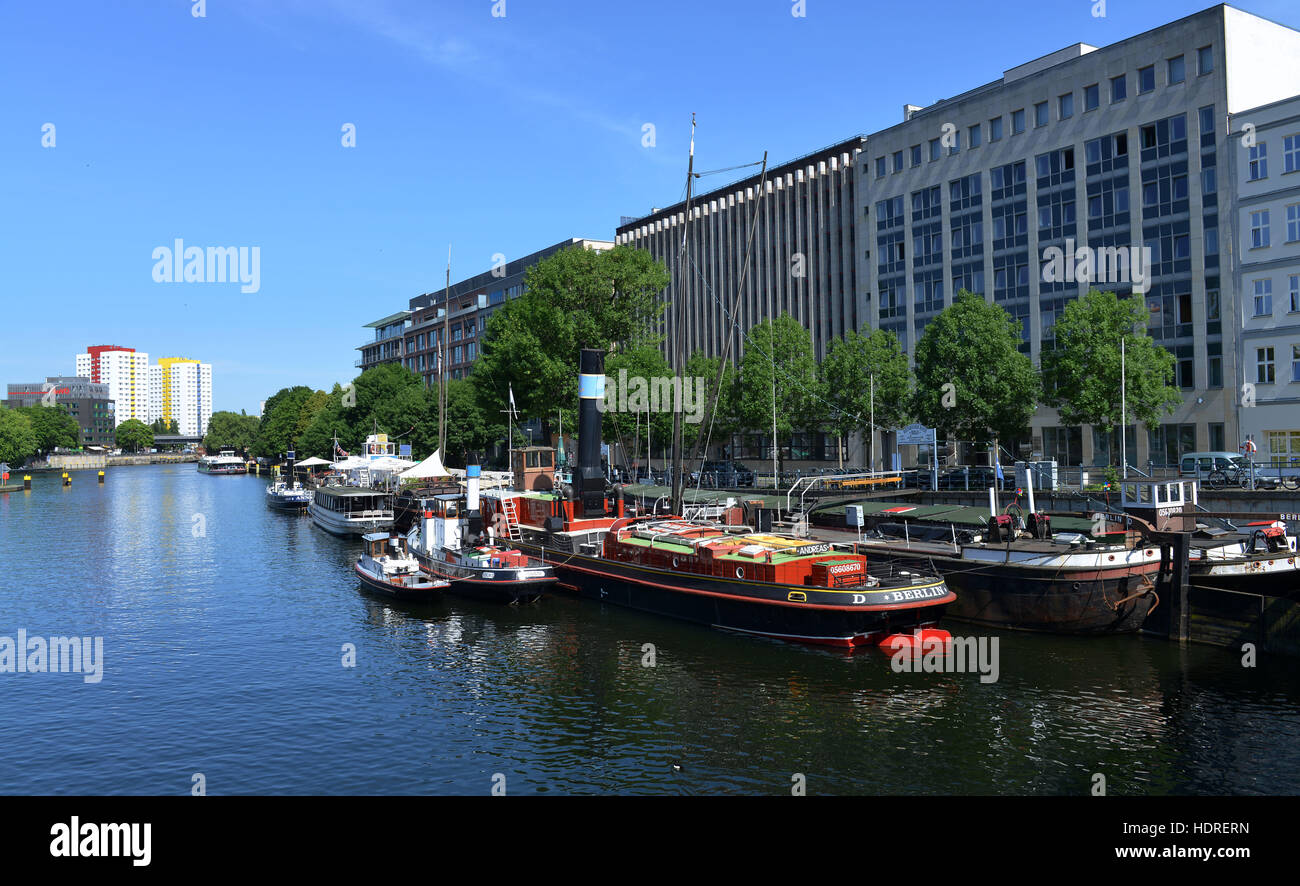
point(226, 627)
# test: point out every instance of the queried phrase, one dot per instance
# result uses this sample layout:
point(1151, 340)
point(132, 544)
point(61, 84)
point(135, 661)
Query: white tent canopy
point(430, 467)
point(389, 464)
point(312, 463)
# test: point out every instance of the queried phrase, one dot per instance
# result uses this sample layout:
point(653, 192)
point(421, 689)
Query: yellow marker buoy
point(67, 480)
point(101, 478)
point(27, 482)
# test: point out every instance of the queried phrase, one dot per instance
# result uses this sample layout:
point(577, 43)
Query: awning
point(312, 463)
point(430, 467)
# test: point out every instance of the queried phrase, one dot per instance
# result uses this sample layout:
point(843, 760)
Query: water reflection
point(223, 650)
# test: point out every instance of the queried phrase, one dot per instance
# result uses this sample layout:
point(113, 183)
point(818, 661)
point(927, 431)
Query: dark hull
point(1271, 583)
point(276, 504)
point(466, 584)
point(1036, 599)
point(397, 591)
point(734, 605)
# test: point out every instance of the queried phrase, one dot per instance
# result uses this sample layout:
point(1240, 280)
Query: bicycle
point(1221, 478)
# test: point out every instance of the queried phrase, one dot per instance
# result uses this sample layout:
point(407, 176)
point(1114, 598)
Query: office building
point(413, 337)
point(86, 401)
point(1265, 166)
point(1114, 147)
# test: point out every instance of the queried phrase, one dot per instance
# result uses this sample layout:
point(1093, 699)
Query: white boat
point(285, 497)
point(351, 510)
point(386, 567)
point(224, 463)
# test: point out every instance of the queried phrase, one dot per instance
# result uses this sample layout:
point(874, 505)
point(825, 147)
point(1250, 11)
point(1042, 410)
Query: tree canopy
point(779, 353)
point(972, 382)
point(17, 440)
point(133, 435)
point(577, 298)
point(858, 366)
point(228, 430)
point(1081, 374)
point(54, 428)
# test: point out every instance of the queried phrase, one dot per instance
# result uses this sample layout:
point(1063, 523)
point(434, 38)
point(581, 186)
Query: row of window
point(1265, 366)
point(1258, 168)
point(1263, 295)
point(951, 139)
point(1260, 228)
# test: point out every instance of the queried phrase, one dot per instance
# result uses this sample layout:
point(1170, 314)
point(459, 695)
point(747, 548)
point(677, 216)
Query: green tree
point(972, 382)
point(799, 404)
point(861, 371)
point(53, 427)
point(574, 299)
point(281, 418)
point(17, 440)
point(725, 421)
point(470, 428)
point(133, 435)
point(625, 423)
point(1081, 374)
point(327, 421)
point(230, 430)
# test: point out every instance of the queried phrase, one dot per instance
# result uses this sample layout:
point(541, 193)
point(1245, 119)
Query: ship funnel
point(472, 475)
point(589, 483)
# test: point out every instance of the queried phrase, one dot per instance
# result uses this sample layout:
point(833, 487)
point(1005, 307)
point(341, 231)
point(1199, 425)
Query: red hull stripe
point(874, 607)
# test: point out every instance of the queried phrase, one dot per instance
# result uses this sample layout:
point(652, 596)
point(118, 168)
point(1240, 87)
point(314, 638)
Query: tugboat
point(450, 544)
point(386, 567)
point(281, 496)
point(725, 577)
point(224, 463)
point(288, 495)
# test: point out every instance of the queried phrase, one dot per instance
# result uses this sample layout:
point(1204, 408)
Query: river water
point(224, 628)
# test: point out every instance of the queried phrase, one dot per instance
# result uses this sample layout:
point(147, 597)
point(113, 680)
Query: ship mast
point(679, 347)
point(444, 357)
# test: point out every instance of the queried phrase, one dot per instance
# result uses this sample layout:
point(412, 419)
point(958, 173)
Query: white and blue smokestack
point(589, 484)
point(472, 475)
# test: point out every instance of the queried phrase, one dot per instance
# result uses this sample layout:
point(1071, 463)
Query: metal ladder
point(512, 518)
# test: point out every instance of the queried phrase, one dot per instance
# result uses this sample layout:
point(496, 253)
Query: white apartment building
point(181, 389)
point(126, 372)
point(1264, 152)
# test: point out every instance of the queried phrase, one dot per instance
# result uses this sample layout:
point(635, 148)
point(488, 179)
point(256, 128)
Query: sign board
point(920, 435)
point(916, 435)
point(404, 450)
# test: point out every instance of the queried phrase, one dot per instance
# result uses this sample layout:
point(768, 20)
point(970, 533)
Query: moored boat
point(351, 511)
point(450, 543)
point(387, 567)
point(226, 462)
point(282, 496)
point(725, 577)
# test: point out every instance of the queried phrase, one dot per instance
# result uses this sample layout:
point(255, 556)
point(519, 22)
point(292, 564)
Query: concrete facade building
point(1119, 146)
point(1264, 147)
point(86, 401)
point(413, 337)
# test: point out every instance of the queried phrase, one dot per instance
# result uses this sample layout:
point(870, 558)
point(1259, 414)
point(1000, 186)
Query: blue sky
point(494, 135)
